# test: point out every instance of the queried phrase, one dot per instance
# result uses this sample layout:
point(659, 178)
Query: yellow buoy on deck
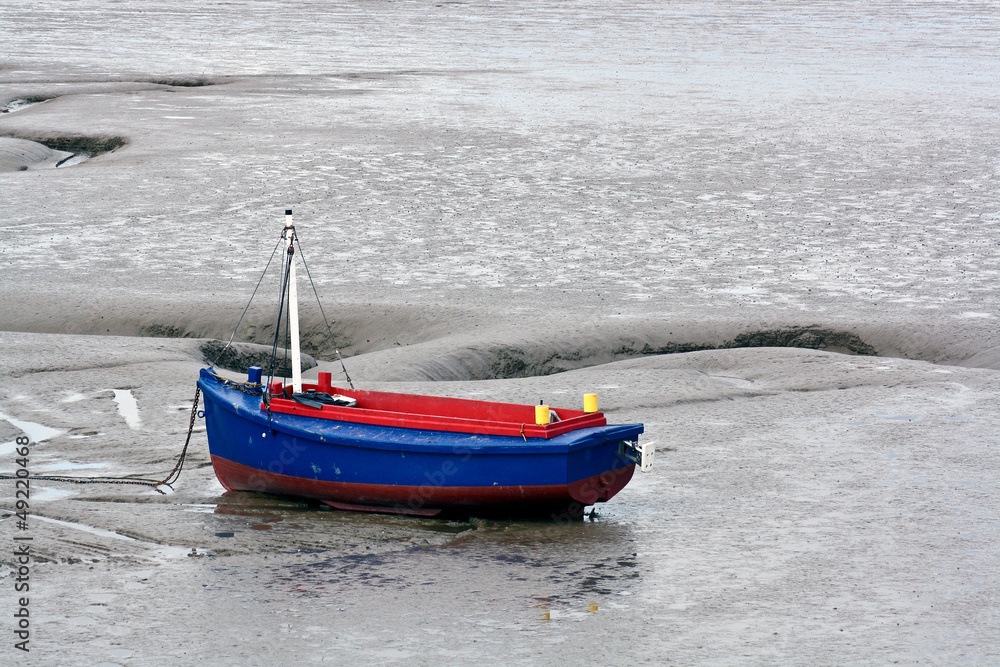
point(590, 402)
point(541, 414)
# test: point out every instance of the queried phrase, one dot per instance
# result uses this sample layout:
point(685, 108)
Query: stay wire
point(247, 309)
point(319, 303)
point(175, 473)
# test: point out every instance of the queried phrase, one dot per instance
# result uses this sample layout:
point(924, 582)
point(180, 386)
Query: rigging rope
point(329, 330)
point(286, 260)
point(175, 473)
point(238, 323)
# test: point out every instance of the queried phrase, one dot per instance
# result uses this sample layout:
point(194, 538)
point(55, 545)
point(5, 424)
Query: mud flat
point(809, 503)
point(768, 232)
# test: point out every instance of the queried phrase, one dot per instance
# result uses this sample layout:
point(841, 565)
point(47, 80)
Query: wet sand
point(767, 233)
point(806, 505)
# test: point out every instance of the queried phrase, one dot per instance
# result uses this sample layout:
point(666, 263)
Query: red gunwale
point(458, 415)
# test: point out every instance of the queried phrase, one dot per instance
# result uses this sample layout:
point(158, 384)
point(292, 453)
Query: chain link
point(167, 481)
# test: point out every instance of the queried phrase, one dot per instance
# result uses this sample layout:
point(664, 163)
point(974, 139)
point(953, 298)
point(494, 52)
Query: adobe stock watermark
point(22, 544)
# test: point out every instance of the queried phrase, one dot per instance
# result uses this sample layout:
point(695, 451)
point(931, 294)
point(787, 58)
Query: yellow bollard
point(541, 414)
point(590, 402)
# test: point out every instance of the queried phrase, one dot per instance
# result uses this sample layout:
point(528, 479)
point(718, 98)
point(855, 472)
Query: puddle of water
point(79, 620)
point(67, 465)
point(128, 407)
point(18, 105)
point(85, 528)
point(44, 493)
point(73, 159)
point(199, 508)
point(739, 383)
point(159, 552)
point(36, 432)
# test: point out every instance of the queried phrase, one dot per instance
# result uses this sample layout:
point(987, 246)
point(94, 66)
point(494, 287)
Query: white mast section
point(293, 306)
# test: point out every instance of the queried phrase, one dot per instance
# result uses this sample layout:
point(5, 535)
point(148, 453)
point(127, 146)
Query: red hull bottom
point(428, 500)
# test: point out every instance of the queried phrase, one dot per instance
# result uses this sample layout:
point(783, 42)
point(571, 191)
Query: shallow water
point(489, 190)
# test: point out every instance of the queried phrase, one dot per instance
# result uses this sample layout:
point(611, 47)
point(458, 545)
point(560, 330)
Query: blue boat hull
point(408, 470)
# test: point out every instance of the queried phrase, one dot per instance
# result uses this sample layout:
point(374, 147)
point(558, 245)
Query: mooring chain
point(176, 472)
point(251, 388)
point(141, 481)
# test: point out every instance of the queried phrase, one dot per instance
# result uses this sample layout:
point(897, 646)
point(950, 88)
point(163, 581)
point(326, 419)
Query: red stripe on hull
point(419, 499)
point(601, 488)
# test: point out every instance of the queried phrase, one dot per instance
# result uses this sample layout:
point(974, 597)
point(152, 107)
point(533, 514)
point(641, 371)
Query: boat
point(396, 453)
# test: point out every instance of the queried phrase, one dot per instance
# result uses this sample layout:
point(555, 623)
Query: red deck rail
point(437, 413)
